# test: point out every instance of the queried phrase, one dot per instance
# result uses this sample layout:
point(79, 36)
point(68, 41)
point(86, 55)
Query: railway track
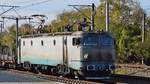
point(130, 79)
point(55, 78)
point(114, 78)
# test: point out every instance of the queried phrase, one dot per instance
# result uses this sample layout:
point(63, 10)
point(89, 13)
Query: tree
point(25, 29)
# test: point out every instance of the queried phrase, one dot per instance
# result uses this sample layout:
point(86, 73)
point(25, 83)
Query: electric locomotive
point(89, 55)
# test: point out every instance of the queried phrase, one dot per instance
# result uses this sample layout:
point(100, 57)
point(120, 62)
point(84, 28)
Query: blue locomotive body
point(86, 54)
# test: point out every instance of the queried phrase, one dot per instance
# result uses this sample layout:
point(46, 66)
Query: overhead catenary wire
point(15, 10)
point(9, 8)
point(17, 13)
point(27, 1)
point(3, 8)
point(6, 11)
point(34, 4)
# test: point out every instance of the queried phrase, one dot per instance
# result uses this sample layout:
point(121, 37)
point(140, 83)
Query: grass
point(120, 72)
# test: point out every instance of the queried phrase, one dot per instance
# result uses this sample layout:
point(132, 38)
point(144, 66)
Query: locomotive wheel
point(71, 74)
point(27, 66)
point(60, 69)
point(63, 70)
point(54, 71)
point(35, 69)
point(78, 76)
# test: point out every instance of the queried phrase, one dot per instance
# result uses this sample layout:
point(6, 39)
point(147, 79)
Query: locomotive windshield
point(106, 40)
point(90, 40)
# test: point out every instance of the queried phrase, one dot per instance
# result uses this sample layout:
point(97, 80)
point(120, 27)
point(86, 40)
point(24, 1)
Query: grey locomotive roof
point(77, 33)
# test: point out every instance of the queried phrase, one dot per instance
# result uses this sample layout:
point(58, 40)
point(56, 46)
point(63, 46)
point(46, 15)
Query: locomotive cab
point(97, 55)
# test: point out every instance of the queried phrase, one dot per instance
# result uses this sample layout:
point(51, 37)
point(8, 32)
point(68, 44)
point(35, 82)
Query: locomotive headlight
point(111, 67)
point(85, 56)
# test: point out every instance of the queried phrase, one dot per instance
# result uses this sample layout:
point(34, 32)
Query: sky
point(145, 3)
point(50, 8)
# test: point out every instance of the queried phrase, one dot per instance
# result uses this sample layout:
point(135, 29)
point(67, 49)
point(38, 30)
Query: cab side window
point(76, 41)
point(31, 42)
point(42, 43)
point(23, 43)
point(54, 42)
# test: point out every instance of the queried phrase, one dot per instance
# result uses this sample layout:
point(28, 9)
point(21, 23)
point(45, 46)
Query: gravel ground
point(135, 70)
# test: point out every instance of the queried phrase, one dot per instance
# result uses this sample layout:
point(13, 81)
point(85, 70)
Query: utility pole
point(143, 28)
point(30, 22)
point(1, 26)
point(3, 22)
point(107, 16)
point(17, 33)
point(17, 30)
point(143, 33)
point(92, 17)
